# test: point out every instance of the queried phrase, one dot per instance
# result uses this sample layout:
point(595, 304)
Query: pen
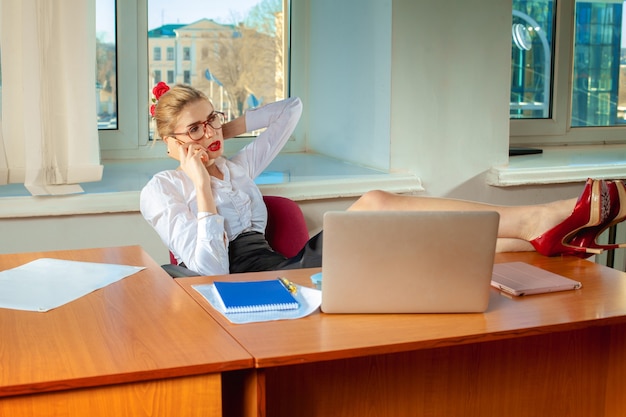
point(291, 287)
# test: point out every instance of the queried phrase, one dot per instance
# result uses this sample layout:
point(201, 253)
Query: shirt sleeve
point(199, 241)
point(280, 120)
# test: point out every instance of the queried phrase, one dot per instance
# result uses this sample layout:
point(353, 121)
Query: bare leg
point(518, 224)
point(505, 244)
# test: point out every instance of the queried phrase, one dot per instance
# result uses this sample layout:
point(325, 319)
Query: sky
point(187, 11)
point(180, 11)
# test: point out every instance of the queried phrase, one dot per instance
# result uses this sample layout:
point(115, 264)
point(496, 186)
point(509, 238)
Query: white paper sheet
point(47, 283)
point(309, 299)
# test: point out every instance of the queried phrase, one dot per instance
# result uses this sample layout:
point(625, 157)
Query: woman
point(211, 215)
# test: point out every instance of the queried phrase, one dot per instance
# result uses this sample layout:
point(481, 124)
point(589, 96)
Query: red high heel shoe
point(588, 237)
point(587, 212)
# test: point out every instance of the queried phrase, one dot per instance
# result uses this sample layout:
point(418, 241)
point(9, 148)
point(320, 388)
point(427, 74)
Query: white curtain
point(49, 122)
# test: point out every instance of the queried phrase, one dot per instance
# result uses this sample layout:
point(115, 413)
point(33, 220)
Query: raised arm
point(279, 120)
point(234, 128)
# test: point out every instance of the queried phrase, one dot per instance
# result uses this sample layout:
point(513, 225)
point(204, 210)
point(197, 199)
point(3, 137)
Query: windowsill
point(310, 177)
point(297, 176)
point(560, 165)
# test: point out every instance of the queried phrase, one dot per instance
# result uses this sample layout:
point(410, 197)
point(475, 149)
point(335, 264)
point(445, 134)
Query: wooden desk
point(559, 354)
point(138, 347)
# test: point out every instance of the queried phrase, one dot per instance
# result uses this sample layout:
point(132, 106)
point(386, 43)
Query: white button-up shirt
point(200, 240)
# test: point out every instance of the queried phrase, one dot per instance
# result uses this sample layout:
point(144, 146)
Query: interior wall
point(450, 90)
point(349, 80)
point(80, 232)
point(36, 234)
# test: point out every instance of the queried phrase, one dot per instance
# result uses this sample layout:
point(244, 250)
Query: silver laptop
point(408, 262)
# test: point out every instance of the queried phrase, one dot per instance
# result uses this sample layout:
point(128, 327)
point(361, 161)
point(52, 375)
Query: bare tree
point(245, 57)
point(106, 69)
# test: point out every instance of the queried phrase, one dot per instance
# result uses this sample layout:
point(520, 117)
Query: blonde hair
point(171, 104)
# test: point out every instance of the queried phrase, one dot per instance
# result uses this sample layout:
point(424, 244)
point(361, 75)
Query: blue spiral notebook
point(254, 296)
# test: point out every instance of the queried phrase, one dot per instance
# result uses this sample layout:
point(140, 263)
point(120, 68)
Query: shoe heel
point(587, 213)
point(588, 237)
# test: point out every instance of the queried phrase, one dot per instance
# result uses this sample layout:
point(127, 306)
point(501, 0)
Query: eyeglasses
point(199, 130)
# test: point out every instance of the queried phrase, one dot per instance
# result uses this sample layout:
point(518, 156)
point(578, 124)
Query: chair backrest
point(286, 229)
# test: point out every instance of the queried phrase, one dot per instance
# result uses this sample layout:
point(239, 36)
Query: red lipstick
point(215, 146)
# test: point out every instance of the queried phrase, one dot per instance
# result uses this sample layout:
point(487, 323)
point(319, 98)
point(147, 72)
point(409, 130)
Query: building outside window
point(596, 94)
point(237, 64)
point(157, 54)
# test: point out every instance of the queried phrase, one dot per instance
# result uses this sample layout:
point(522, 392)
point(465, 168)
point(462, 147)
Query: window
point(106, 71)
point(549, 107)
point(237, 59)
point(0, 84)
point(597, 56)
point(531, 59)
point(236, 52)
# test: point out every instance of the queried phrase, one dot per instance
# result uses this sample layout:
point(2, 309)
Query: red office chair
point(286, 230)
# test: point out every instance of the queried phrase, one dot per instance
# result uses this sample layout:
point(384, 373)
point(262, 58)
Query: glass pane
point(599, 86)
point(531, 59)
point(232, 50)
point(106, 72)
point(0, 80)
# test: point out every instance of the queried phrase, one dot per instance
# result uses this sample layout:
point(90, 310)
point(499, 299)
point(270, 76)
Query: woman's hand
point(193, 158)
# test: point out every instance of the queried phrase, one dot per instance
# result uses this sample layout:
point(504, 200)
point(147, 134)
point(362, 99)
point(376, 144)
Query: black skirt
point(250, 252)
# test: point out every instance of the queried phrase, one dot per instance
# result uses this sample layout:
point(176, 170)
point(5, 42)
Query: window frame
point(557, 130)
point(132, 83)
point(131, 139)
